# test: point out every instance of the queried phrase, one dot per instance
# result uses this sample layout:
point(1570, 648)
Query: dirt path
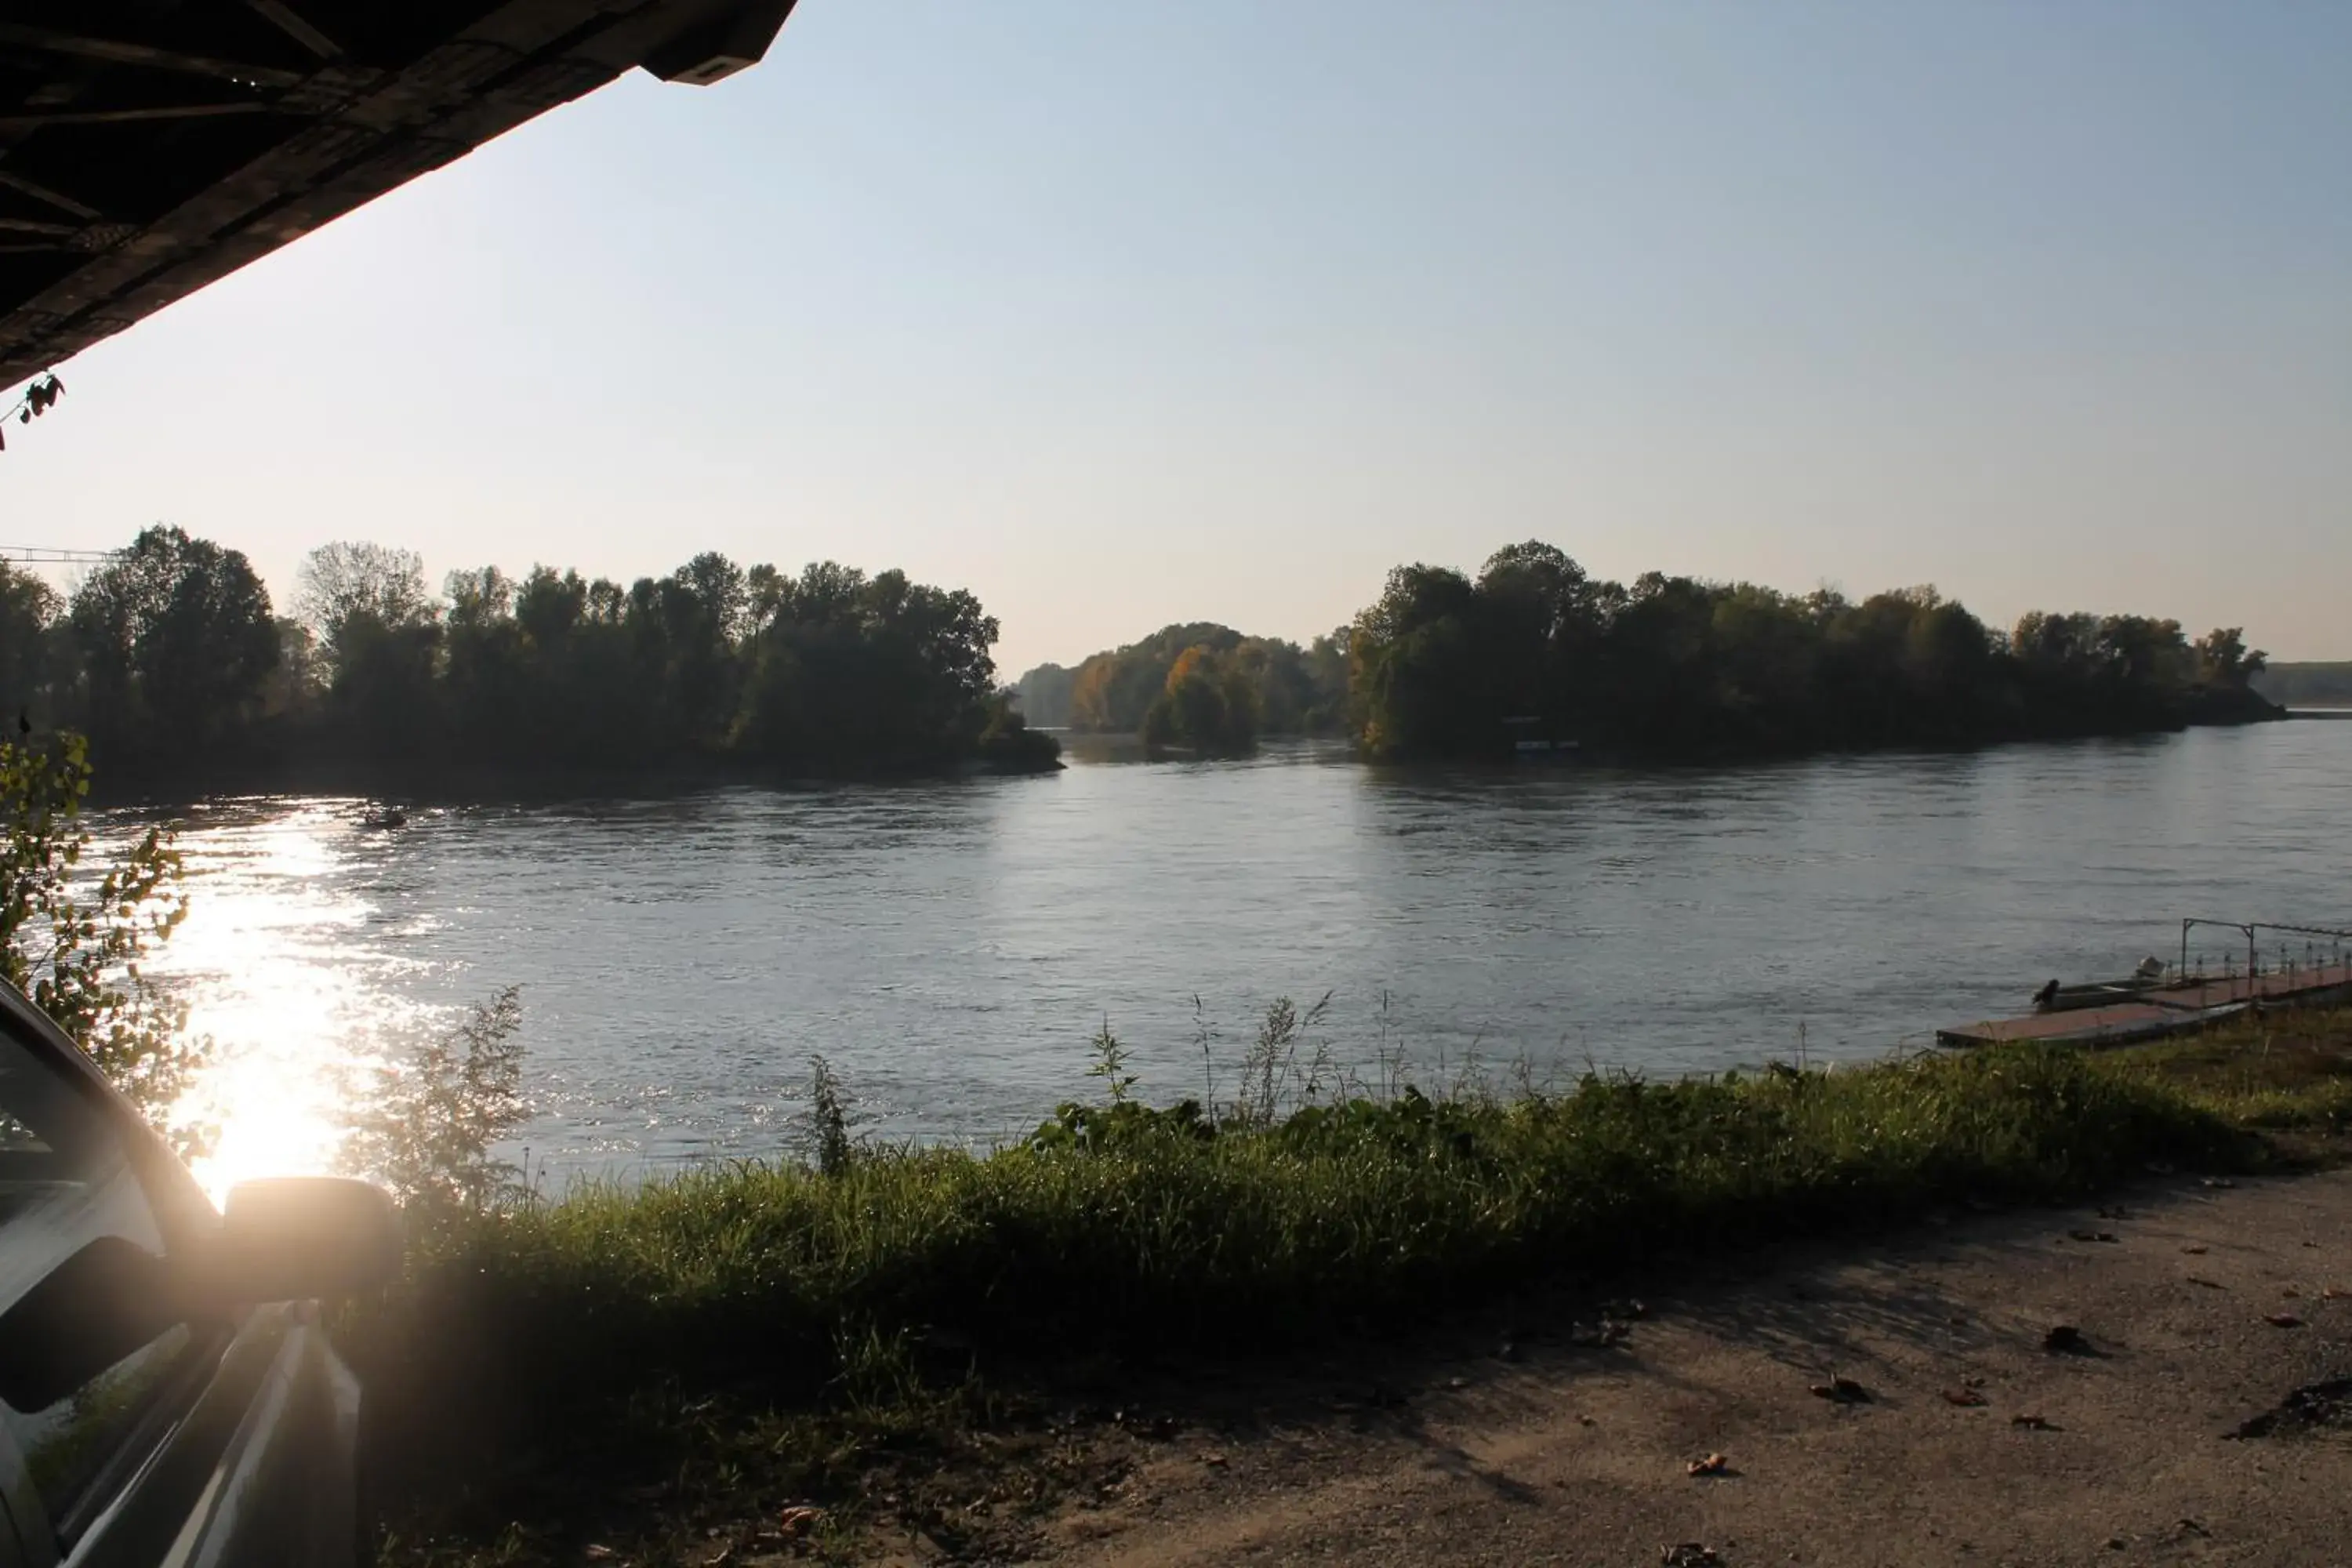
point(1569, 1454)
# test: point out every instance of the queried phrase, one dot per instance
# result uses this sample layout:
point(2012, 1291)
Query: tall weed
point(433, 1130)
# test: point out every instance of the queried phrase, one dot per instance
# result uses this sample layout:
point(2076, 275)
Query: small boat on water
point(383, 819)
point(2056, 998)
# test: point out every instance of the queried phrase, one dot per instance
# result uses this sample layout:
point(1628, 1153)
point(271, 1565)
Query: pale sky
point(1120, 314)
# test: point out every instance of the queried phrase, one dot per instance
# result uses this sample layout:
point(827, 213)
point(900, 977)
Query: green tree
point(549, 606)
point(1422, 686)
point(485, 682)
point(299, 680)
point(30, 609)
point(881, 672)
point(379, 639)
point(1326, 683)
point(1281, 690)
point(387, 699)
point(703, 613)
point(176, 640)
point(1675, 667)
point(355, 583)
point(2224, 660)
point(1006, 741)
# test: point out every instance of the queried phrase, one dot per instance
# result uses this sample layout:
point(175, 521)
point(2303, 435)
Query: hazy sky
point(1124, 313)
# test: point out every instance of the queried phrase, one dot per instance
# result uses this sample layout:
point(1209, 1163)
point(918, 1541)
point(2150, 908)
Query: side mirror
point(295, 1237)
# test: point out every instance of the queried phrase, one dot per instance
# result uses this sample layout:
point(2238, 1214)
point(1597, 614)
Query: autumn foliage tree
point(1208, 705)
point(1293, 690)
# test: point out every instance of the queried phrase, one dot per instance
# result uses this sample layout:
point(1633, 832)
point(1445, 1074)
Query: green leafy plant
point(1110, 1064)
point(72, 935)
point(828, 1119)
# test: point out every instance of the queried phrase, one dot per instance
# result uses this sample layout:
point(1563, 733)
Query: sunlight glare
point(299, 1028)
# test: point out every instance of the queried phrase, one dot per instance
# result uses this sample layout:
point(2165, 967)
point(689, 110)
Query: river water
point(952, 947)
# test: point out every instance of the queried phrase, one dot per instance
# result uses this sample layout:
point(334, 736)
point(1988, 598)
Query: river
point(952, 947)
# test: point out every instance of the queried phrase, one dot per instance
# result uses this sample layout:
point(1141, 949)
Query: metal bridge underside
point(148, 147)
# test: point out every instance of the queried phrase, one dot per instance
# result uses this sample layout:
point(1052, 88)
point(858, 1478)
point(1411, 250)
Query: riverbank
point(2219, 709)
point(264, 765)
point(2204, 1308)
point(892, 1345)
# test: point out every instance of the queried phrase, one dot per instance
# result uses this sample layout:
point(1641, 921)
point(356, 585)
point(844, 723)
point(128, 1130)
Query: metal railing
point(54, 555)
point(2252, 931)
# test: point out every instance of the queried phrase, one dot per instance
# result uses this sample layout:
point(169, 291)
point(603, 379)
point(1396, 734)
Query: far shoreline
point(132, 784)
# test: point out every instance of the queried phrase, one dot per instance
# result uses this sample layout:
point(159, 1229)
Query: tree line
point(1200, 686)
point(170, 657)
point(1532, 648)
point(2325, 684)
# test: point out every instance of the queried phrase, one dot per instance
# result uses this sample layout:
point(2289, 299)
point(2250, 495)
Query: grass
point(2286, 1073)
point(658, 1360)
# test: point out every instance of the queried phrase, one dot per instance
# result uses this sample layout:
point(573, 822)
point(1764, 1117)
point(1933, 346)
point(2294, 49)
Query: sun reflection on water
point(302, 1017)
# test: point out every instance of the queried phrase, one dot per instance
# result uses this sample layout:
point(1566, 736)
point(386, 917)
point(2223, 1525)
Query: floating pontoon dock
point(2190, 999)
